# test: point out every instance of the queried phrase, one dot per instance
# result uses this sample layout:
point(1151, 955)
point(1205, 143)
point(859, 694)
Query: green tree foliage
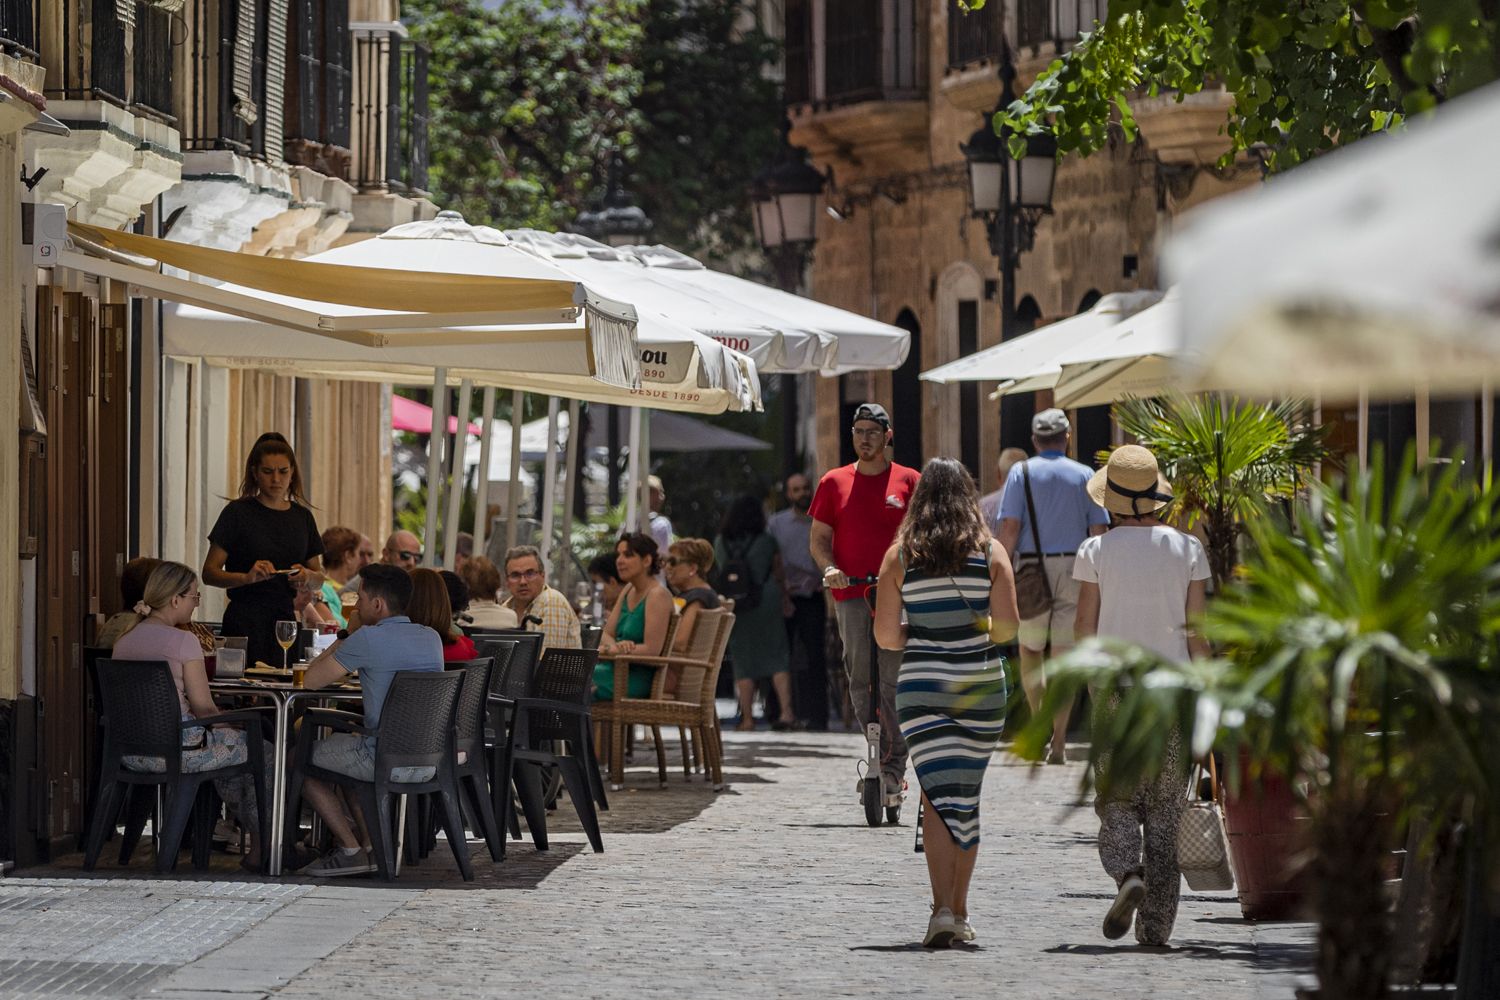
point(1305, 75)
point(530, 99)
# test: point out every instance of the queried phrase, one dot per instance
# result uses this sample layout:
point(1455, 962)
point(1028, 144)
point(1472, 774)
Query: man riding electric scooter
point(856, 511)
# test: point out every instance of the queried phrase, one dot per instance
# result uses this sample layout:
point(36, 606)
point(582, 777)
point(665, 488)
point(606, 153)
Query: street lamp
point(1010, 196)
point(784, 208)
point(618, 221)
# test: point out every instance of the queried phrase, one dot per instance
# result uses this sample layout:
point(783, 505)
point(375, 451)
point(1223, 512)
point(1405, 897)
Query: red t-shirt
point(864, 513)
point(458, 648)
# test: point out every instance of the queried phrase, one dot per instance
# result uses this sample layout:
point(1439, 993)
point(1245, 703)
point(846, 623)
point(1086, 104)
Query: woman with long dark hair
point(432, 605)
point(265, 547)
point(638, 622)
point(955, 585)
point(757, 645)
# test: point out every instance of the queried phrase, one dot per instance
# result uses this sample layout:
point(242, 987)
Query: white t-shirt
point(1143, 575)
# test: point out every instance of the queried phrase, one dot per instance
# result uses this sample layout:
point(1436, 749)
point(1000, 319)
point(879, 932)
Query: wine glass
point(583, 596)
point(286, 634)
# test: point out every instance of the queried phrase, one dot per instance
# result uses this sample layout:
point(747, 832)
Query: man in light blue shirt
point(1065, 516)
point(382, 642)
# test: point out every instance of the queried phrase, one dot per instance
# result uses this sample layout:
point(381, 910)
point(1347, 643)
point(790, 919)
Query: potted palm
point(1229, 461)
point(1358, 662)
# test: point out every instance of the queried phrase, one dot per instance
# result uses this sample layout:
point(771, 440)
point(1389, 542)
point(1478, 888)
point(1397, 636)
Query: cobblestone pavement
point(772, 888)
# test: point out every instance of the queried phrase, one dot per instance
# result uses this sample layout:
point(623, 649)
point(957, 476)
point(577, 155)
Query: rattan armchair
point(689, 710)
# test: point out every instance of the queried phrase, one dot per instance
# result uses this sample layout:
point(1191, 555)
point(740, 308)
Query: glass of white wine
point(286, 634)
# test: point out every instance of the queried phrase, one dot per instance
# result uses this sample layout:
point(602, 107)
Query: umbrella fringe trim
point(613, 353)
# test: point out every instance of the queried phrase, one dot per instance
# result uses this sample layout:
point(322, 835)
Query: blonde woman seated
point(638, 622)
point(485, 609)
point(170, 598)
point(687, 564)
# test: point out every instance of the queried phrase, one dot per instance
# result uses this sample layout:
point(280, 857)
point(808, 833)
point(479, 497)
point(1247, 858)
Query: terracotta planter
point(1267, 832)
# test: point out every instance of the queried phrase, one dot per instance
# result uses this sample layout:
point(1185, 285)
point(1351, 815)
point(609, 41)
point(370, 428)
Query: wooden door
point(65, 322)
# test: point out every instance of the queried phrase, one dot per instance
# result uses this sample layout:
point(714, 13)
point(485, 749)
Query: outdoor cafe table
point(282, 696)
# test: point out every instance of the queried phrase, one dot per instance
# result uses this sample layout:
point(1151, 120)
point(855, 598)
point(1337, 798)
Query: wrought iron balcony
point(18, 28)
point(153, 63)
point(1059, 21)
point(869, 54)
point(224, 94)
point(975, 36)
point(390, 119)
point(319, 83)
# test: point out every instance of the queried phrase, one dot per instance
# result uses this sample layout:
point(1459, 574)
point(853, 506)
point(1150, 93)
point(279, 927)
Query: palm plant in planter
point(1227, 460)
point(1360, 663)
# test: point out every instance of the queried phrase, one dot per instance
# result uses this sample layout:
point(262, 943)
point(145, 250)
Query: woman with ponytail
point(170, 597)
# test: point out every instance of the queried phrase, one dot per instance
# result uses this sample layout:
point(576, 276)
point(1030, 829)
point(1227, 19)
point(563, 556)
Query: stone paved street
point(773, 888)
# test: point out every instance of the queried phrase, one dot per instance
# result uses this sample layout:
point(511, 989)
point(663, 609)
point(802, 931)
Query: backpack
point(737, 582)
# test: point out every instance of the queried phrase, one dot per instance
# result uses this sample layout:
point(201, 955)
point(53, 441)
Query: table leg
point(278, 781)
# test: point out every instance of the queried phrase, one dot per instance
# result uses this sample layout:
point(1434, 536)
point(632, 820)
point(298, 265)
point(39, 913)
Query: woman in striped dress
point(955, 585)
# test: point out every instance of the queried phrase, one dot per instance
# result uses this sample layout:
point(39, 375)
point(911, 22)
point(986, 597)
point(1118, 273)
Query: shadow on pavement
point(1277, 956)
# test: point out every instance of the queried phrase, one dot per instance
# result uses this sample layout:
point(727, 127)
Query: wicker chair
point(694, 704)
point(139, 700)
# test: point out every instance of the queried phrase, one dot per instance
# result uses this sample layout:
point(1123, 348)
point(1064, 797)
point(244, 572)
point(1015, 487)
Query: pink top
point(151, 640)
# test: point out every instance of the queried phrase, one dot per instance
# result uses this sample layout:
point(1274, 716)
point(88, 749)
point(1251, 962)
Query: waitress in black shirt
point(264, 547)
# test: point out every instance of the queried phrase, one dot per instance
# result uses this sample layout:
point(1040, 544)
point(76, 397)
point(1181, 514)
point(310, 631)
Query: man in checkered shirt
point(526, 579)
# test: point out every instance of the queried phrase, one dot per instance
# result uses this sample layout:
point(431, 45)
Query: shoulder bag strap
point(1036, 538)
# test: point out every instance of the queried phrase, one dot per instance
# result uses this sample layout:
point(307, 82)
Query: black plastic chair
point(417, 729)
point(471, 767)
point(556, 710)
point(139, 700)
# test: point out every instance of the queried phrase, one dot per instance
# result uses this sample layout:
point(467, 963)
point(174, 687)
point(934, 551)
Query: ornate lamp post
point(1009, 195)
point(618, 221)
point(784, 205)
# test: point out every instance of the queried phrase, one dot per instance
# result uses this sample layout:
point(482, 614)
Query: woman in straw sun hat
point(1141, 582)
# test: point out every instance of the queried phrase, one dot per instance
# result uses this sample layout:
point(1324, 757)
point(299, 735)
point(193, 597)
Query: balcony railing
point(18, 28)
point(798, 43)
point(106, 67)
point(390, 120)
point(224, 94)
point(1060, 21)
point(153, 62)
point(318, 86)
point(974, 36)
point(869, 53)
point(407, 112)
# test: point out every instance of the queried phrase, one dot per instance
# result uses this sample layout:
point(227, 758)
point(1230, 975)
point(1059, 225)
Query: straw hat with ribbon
point(1131, 484)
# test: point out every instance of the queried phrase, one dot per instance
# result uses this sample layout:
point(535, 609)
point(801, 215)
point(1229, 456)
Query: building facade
point(881, 94)
point(275, 127)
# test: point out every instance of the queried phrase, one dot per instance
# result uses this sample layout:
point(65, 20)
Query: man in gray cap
point(1046, 501)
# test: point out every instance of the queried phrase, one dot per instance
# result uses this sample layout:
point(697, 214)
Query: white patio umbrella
point(860, 343)
point(1139, 356)
point(771, 340)
point(1374, 268)
point(1029, 361)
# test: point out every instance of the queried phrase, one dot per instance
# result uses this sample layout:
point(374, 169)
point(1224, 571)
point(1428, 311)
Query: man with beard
point(855, 513)
point(803, 606)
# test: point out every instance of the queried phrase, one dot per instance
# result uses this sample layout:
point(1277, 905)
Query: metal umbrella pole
point(456, 474)
point(513, 494)
point(549, 479)
point(435, 464)
point(482, 487)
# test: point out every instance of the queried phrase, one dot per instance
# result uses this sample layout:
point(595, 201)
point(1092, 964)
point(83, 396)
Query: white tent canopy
point(1136, 357)
point(1029, 361)
point(1374, 268)
point(774, 344)
point(678, 368)
point(860, 343)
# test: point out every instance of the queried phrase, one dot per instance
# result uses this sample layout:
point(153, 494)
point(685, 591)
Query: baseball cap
point(1049, 423)
point(872, 411)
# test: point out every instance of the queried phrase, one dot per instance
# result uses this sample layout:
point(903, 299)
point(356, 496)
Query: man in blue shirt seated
point(381, 641)
point(1065, 516)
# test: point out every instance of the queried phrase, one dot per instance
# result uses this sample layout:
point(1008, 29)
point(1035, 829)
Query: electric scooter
point(872, 785)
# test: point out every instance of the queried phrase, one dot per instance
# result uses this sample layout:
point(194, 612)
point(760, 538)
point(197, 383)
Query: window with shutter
point(243, 80)
point(275, 84)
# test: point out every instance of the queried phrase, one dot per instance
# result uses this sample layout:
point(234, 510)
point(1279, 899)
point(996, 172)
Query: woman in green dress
point(758, 642)
point(638, 622)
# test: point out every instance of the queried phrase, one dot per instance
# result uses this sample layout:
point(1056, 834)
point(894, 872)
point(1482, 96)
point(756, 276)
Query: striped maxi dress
point(950, 696)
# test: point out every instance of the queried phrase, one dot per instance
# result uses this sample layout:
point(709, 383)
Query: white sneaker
point(941, 929)
point(1122, 911)
point(964, 931)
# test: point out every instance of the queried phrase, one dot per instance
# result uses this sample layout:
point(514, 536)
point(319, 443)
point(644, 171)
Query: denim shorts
point(347, 753)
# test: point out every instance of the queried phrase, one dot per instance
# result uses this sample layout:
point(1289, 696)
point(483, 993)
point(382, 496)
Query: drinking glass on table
point(583, 596)
point(299, 674)
point(286, 634)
